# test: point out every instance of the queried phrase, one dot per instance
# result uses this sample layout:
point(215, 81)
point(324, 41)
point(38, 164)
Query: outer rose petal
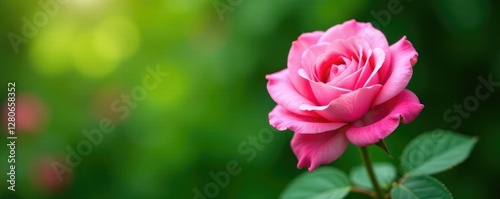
point(403, 57)
point(313, 150)
point(384, 119)
point(284, 93)
point(348, 107)
point(282, 119)
point(295, 60)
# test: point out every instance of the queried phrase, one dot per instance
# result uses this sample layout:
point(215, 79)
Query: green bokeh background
point(92, 51)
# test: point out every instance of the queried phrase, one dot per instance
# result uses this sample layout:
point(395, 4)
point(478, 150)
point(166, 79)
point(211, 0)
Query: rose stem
point(368, 164)
point(363, 191)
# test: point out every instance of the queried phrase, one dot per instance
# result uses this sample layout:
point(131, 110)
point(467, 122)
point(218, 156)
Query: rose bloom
point(343, 85)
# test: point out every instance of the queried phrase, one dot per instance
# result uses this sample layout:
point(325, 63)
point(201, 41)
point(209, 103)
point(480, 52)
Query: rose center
point(330, 69)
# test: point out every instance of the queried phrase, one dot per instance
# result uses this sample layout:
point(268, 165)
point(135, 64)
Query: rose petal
point(347, 82)
point(294, 60)
point(327, 63)
point(364, 31)
point(361, 46)
point(340, 50)
point(346, 79)
point(378, 59)
point(309, 61)
point(341, 46)
point(381, 121)
point(282, 91)
point(323, 93)
point(282, 119)
point(365, 69)
point(348, 107)
point(313, 150)
point(403, 57)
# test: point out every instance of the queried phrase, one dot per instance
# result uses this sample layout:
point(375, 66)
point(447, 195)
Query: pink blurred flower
point(343, 85)
point(30, 113)
point(45, 176)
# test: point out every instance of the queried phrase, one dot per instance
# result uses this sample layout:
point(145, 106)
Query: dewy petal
point(282, 119)
point(313, 150)
point(348, 107)
point(282, 91)
point(381, 121)
point(403, 57)
point(295, 60)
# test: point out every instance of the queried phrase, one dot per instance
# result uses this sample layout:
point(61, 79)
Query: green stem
point(369, 168)
point(363, 191)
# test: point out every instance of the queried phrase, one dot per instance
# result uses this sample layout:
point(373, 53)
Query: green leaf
point(385, 174)
point(421, 187)
point(322, 183)
point(434, 152)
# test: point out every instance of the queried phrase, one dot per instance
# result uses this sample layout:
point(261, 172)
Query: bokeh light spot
point(49, 51)
point(88, 61)
point(172, 90)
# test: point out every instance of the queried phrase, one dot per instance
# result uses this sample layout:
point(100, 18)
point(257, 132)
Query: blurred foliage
point(90, 52)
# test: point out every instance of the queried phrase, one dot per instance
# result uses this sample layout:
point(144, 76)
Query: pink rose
point(343, 85)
